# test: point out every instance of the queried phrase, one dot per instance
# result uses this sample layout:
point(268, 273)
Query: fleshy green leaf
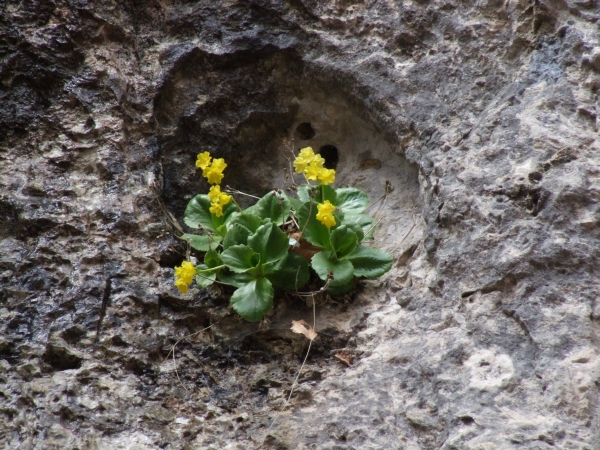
point(319, 192)
point(234, 279)
point(360, 234)
point(351, 200)
point(197, 214)
point(313, 231)
point(212, 259)
point(240, 258)
point(204, 279)
point(343, 241)
point(343, 272)
point(245, 219)
point(202, 242)
point(295, 203)
point(253, 300)
point(303, 193)
point(236, 235)
point(274, 206)
point(270, 242)
point(291, 273)
point(342, 289)
point(370, 262)
point(364, 220)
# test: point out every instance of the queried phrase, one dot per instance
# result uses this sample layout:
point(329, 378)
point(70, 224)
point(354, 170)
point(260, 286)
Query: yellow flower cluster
point(325, 214)
point(218, 199)
point(213, 172)
point(184, 275)
point(311, 166)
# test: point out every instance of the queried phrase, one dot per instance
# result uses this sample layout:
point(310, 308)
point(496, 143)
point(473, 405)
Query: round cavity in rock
point(330, 155)
point(305, 131)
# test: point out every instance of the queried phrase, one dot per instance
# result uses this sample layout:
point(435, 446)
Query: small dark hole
point(330, 155)
point(535, 177)
point(305, 131)
point(467, 420)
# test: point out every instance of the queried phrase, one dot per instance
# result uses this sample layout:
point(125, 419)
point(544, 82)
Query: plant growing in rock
point(274, 243)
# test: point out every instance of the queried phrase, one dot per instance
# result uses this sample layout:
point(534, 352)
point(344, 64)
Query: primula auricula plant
point(274, 243)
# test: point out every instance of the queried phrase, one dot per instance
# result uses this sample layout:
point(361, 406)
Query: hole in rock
point(305, 131)
point(256, 125)
point(330, 155)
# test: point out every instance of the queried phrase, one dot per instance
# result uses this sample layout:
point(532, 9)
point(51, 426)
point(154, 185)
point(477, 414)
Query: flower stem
point(210, 269)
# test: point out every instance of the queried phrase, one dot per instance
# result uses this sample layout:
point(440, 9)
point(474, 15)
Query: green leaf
point(295, 203)
point(318, 193)
point(212, 259)
point(360, 234)
point(343, 241)
point(312, 230)
point(370, 262)
point(274, 206)
point(253, 300)
point(351, 200)
point(245, 219)
point(197, 214)
point(236, 235)
point(303, 193)
point(205, 279)
point(239, 258)
point(342, 289)
point(270, 242)
point(364, 220)
point(234, 279)
point(323, 263)
point(291, 273)
point(202, 242)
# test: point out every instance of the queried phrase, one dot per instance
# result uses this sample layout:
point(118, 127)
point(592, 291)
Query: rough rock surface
point(482, 114)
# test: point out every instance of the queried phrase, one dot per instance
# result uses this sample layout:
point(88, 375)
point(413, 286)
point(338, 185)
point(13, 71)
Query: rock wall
point(481, 114)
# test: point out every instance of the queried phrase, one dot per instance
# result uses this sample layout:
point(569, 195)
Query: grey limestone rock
point(482, 115)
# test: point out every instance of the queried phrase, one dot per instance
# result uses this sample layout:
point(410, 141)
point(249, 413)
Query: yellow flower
point(218, 199)
point(216, 208)
point(214, 192)
point(303, 159)
point(182, 286)
point(326, 176)
point(203, 160)
point(224, 199)
point(316, 165)
point(325, 214)
point(184, 275)
point(214, 171)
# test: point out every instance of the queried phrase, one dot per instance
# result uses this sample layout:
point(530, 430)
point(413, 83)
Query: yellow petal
point(214, 192)
point(203, 160)
point(183, 287)
point(326, 176)
point(312, 172)
point(306, 153)
point(217, 209)
point(218, 164)
point(214, 176)
point(224, 199)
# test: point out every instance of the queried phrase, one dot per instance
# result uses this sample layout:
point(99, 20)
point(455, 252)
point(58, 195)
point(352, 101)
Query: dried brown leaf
point(345, 357)
point(302, 327)
point(306, 249)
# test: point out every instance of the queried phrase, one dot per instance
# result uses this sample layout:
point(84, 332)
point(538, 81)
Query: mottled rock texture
point(482, 115)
